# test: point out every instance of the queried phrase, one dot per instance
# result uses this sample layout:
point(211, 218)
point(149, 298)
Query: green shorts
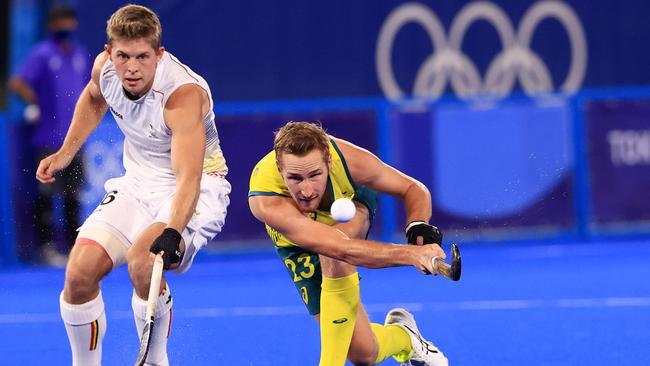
point(304, 266)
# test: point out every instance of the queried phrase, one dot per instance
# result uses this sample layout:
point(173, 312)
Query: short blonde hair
point(134, 22)
point(300, 138)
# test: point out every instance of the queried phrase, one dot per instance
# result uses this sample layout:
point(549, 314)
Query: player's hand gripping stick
point(168, 242)
point(451, 271)
point(431, 234)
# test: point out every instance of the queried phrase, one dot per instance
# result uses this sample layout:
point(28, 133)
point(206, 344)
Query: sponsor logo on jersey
point(115, 113)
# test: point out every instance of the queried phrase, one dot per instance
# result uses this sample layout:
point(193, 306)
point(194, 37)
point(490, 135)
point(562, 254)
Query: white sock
point(162, 325)
point(86, 326)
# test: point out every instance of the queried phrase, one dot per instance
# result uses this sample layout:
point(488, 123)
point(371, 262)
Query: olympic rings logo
point(448, 63)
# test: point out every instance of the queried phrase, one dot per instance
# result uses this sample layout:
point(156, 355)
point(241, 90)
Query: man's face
point(62, 28)
point(135, 62)
point(63, 24)
point(306, 178)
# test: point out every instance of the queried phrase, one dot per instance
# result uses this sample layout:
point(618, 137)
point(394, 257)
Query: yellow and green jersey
point(267, 181)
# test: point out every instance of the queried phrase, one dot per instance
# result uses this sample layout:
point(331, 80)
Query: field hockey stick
point(450, 271)
point(154, 292)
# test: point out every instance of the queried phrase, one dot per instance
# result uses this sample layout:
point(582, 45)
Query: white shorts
point(129, 208)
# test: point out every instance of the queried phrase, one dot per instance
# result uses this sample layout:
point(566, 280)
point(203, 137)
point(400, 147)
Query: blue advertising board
point(494, 171)
point(618, 136)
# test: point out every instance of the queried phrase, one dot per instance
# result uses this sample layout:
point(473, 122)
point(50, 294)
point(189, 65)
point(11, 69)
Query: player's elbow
point(18, 85)
point(261, 211)
point(342, 255)
point(416, 191)
point(14, 84)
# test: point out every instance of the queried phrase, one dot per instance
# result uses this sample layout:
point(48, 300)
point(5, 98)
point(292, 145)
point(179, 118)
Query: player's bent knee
point(140, 267)
point(81, 284)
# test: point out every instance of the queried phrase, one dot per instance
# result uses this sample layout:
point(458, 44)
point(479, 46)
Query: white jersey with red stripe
point(147, 143)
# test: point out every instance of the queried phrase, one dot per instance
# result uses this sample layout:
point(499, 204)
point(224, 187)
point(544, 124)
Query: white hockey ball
point(343, 210)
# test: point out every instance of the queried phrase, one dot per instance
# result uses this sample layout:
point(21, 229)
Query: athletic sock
point(86, 325)
point(339, 302)
point(162, 325)
point(392, 340)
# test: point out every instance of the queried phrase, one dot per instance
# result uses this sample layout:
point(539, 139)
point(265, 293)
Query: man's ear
point(160, 52)
point(107, 48)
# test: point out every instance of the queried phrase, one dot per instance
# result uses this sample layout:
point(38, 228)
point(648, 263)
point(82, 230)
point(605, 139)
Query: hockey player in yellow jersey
point(291, 191)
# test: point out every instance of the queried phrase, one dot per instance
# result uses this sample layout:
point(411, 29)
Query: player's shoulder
point(347, 149)
point(98, 65)
point(266, 178)
point(358, 161)
point(101, 59)
point(43, 51)
point(176, 71)
point(175, 76)
point(266, 165)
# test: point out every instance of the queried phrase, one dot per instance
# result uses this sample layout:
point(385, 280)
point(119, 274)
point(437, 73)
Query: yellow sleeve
point(266, 179)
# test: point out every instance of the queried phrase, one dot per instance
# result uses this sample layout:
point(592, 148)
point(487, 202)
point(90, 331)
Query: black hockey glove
point(429, 233)
point(169, 242)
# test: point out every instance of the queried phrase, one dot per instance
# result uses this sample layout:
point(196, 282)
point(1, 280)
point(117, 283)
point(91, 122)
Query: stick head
point(144, 343)
point(455, 262)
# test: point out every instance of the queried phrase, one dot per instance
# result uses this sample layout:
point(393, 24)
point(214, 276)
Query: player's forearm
point(23, 90)
point(87, 115)
point(371, 254)
point(417, 203)
point(185, 199)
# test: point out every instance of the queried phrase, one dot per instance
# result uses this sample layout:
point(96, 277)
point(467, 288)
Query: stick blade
point(456, 265)
point(145, 342)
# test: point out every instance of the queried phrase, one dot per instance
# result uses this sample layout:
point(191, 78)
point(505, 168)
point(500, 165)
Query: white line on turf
point(475, 305)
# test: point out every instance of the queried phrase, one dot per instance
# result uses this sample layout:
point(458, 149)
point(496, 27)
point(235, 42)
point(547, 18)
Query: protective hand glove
point(429, 233)
point(169, 242)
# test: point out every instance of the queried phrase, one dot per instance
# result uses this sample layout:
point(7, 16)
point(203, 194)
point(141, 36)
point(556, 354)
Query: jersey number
point(110, 197)
point(307, 270)
point(305, 296)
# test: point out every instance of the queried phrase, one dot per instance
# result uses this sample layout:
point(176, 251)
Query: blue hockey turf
point(525, 304)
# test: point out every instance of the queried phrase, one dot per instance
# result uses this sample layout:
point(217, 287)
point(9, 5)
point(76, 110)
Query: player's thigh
point(118, 221)
point(140, 251)
point(142, 244)
point(304, 269)
point(89, 259)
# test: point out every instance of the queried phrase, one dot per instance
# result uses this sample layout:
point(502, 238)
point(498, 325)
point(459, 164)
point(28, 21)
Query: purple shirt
point(57, 79)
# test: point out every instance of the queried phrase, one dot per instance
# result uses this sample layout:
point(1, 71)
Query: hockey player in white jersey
point(173, 196)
